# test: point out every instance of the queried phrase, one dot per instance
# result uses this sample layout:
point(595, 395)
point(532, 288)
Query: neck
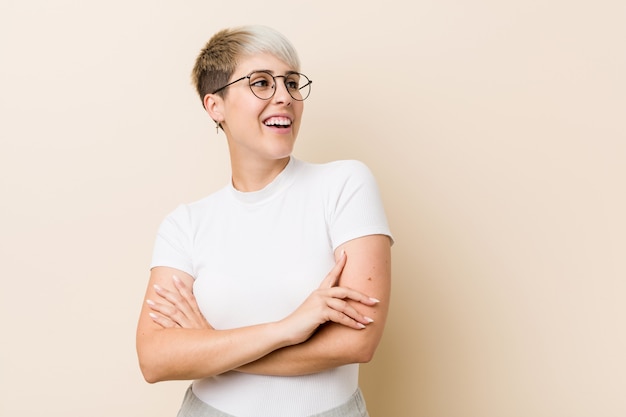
point(254, 176)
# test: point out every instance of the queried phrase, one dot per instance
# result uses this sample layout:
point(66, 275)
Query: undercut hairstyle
point(218, 60)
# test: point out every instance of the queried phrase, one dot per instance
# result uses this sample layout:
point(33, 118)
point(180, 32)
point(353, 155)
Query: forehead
point(248, 63)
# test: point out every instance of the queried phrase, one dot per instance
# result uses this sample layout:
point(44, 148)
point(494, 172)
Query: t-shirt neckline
point(282, 181)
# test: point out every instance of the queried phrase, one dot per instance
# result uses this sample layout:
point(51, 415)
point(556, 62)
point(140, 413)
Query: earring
point(217, 127)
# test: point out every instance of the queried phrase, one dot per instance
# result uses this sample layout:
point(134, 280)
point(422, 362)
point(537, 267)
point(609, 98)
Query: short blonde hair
point(218, 59)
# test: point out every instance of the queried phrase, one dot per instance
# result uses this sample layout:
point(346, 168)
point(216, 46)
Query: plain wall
point(496, 131)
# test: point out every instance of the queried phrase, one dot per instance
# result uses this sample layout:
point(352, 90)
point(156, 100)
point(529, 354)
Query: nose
point(281, 95)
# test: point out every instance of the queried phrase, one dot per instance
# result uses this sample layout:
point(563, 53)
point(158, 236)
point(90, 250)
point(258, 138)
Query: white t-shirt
point(255, 258)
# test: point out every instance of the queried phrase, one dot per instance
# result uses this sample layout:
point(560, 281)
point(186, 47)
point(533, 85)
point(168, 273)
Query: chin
point(283, 155)
point(283, 151)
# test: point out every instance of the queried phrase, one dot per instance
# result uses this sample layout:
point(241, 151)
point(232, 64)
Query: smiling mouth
point(280, 122)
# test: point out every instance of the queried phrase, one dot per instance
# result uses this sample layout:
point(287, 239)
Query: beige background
point(496, 130)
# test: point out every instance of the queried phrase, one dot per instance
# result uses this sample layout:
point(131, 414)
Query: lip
point(285, 116)
point(276, 128)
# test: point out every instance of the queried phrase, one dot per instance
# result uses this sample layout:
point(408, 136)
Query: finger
point(170, 312)
point(165, 294)
point(333, 276)
point(182, 288)
point(163, 321)
point(175, 299)
point(349, 312)
point(190, 307)
point(339, 317)
point(349, 293)
point(187, 293)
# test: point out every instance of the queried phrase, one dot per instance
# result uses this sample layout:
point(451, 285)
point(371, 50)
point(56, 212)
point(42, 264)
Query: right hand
point(328, 303)
point(177, 309)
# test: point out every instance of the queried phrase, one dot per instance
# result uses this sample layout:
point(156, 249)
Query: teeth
point(278, 121)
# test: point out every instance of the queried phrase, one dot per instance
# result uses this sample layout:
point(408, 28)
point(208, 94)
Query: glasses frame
point(284, 77)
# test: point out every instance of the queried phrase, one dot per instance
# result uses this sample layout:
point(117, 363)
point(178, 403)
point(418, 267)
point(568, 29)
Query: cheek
point(300, 113)
point(299, 122)
point(296, 128)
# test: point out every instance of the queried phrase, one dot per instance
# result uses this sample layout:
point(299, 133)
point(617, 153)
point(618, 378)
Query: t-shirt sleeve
point(173, 246)
point(357, 205)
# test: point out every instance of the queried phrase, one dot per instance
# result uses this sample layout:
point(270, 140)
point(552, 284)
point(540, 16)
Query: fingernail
point(361, 325)
point(156, 287)
point(150, 302)
point(175, 278)
point(374, 300)
point(154, 316)
point(369, 319)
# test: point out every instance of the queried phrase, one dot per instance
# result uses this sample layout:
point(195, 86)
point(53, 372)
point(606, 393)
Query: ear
point(214, 106)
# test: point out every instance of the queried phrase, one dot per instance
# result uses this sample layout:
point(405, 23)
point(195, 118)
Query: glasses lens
point(262, 85)
point(298, 85)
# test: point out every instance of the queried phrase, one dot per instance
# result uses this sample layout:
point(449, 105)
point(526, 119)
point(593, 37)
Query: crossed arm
point(339, 323)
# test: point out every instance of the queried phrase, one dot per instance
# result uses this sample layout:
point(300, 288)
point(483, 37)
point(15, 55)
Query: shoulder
point(216, 198)
point(190, 212)
point(338, 165)
point(337, 171)
point(337, 178)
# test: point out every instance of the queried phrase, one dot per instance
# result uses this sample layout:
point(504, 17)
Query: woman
point(240, 297)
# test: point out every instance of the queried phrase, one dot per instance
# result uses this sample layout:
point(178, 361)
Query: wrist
point(281, 333)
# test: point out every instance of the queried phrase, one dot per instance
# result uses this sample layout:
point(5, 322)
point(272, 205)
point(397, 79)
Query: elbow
point(150, 371)
point(149, 379)
point(364, 350)
point(354, 346)
point(367, 357)
point(149, 375)
point(155, 365)
point(151, 368)
point(365, 354)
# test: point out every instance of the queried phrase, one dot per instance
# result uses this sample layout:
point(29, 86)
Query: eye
point(259, 83)
point(261, 80)
point(293, 82)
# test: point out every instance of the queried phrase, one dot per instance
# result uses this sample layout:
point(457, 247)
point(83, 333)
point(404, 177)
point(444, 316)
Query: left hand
point(181, 309)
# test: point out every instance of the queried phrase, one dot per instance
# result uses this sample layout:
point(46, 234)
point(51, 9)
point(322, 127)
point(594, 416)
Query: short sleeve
point(357, 205)
point(173, 246)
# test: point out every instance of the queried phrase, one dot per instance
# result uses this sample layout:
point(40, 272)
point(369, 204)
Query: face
point(259, 129)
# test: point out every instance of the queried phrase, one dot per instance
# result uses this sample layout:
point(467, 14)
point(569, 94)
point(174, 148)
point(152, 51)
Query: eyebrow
point(272, 72)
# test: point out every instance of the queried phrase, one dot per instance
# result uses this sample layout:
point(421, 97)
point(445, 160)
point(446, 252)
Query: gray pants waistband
point(194, 407)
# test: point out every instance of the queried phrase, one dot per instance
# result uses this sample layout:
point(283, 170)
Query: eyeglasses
point(263, 84)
